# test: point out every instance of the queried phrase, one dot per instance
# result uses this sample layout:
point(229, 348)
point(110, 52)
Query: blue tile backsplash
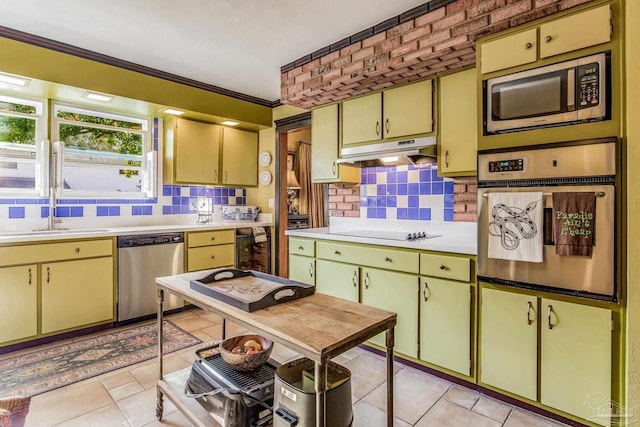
point(406, 192)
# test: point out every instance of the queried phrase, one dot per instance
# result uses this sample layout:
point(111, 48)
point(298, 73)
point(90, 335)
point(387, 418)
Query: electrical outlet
point(271, 203)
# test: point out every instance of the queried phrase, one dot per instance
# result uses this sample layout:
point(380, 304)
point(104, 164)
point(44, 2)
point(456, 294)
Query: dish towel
point(515, 226)
point(574, 222)
point(259, 234)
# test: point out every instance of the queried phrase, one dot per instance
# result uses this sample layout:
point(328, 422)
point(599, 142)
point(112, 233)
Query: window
point(103, 155)
point(23, 151)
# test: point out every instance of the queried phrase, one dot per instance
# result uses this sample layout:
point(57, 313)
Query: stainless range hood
point(405, 152)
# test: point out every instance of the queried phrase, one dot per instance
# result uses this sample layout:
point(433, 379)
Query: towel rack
point(598, 194)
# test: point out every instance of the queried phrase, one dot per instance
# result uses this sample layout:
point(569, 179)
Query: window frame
point(40, 146)
point(147, 148)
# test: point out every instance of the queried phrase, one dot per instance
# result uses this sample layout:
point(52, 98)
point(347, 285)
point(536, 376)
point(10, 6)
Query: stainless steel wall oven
point(577, 168)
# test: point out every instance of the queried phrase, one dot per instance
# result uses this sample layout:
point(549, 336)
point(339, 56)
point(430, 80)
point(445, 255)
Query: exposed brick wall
point(344, 200)
point(440, 40)
point(465, 199)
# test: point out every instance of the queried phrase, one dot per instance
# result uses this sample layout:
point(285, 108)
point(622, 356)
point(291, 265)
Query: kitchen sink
point(55, 231)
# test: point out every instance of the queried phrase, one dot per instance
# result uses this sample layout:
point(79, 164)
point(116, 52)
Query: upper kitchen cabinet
point(192, 152)
point(325, 148)
point(394, 113)
point(209, 154)
point(573, 32)
point(239, 157)
point(458, 136)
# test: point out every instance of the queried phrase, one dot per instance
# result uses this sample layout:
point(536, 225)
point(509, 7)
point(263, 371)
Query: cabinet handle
point(443, 267)
point(213, 238)
point(548, 39)
point(529, 306)
point(424, 292)
point(354, 279)
point(225, 176)
point(213, 257)
point(387, 259)
point(549, 311)
point(446, 158)
point(387, 125)
point(215, 174)
point(377, 128)
point(311, 270)
point(337, 253)
point(48, 275)
point(366, 280)
point(300, 248)
point(77, 250)
point(333, 168)
point(29, 276)
point(529, 45)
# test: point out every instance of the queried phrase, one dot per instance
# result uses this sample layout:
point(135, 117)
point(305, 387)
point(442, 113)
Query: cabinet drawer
point(14, 255)
point(206, 238)
point(390, 259)
point(301, 246)
point(210, 257)
point(446, 266)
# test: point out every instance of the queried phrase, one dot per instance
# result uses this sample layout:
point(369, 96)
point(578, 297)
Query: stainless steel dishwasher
point(142, 258)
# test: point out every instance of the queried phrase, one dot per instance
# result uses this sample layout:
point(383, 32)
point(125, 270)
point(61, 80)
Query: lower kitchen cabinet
point(18, 302)
point(302, 269)
point(338, 279)
point(76, 293)
point(395, 292)
point(210, 249)
point(445, 320)
point(575, 351)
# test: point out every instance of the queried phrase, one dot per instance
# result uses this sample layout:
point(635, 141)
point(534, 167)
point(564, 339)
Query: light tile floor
point(127, 397)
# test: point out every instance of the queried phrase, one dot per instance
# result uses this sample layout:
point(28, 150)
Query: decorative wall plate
point(265, 178)
point(264, 159)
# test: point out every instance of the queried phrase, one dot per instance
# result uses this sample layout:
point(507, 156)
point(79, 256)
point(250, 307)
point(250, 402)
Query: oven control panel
point(506, 165)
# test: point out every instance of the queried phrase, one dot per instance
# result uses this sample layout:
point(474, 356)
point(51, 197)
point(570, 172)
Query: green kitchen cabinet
point(458, 118)
point(325, 148)
point(395, 292)
point(239, 164)
point(76, 293)
point(509, 342)
point(338, 279)
point(192, 152)
point(394, 113)
point(302, 269)
point(18, 302)
point(445, 324)
point(575, 364)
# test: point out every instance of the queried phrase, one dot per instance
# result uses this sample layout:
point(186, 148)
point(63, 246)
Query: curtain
point(311, 195)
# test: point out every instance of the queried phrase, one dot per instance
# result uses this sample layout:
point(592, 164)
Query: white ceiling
point(238, 45)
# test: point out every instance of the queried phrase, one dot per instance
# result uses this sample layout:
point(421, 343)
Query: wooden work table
point(319, 327)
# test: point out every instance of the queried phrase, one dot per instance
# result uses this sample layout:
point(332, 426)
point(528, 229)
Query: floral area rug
point(42, 370)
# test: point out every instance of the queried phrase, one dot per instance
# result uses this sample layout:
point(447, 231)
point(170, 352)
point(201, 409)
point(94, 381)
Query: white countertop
point(454, 237)
point(34, 236)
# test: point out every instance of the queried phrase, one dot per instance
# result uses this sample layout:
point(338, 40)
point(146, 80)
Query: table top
point(318, 326)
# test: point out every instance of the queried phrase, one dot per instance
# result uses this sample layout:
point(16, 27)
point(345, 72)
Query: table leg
point(390, 342)
point(321, 393)
point(159, 403)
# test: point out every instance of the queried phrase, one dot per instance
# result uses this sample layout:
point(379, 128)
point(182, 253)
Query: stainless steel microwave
point(558, 94)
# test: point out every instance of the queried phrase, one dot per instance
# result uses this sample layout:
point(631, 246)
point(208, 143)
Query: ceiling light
point(173, 111)
point(14, 80)
point(98, 97)
point(230, 123)
point(389, 159)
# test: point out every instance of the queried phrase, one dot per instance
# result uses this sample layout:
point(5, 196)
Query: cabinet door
point(445, 324)
point(575, 358)
point(18, 302)
point(239, 157)
point(509, 342)
point(408, 110)
point(458, 124)
point(395, 292)
point(197, 152)
point(361, 119)
point(337, 279)
point(575, 32)
point(325, 148)
point(76, 293)
point(302, 269)
point(509, 51)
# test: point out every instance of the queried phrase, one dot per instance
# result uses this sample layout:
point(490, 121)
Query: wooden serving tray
point(250, 290)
